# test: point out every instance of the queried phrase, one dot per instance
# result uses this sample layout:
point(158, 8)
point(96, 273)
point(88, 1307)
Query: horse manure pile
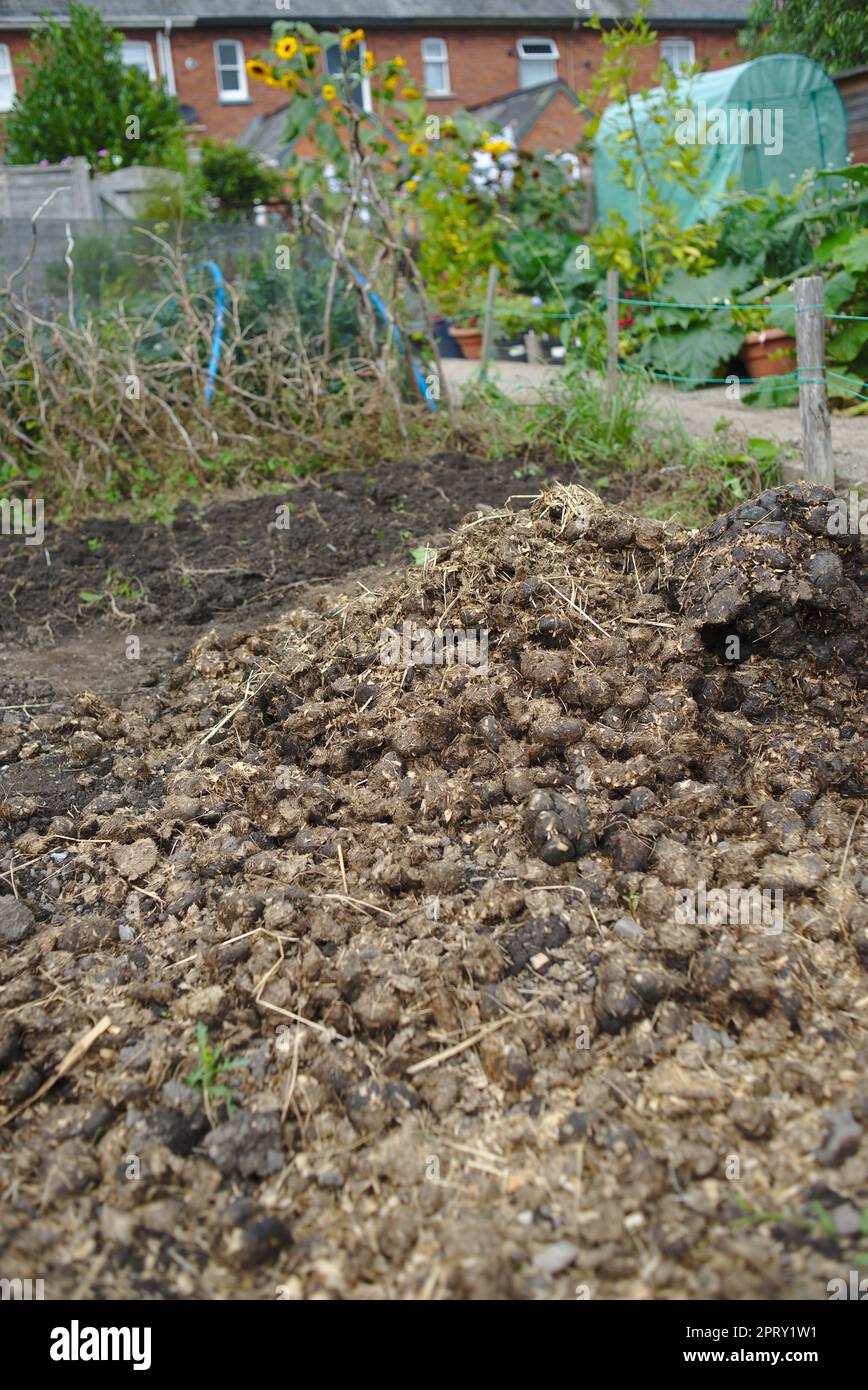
point(530, 897)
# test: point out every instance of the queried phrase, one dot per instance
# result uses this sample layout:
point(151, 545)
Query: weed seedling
point(206, 1077)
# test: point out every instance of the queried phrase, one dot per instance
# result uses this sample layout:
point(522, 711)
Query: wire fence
point(90, 260)
point(97, 258)
point(780, 381)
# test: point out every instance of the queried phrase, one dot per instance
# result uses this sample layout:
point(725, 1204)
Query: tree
point(79, 99)
point(832, 32)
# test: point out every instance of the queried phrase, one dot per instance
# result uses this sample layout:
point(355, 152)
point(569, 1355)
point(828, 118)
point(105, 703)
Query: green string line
point(716, 381)
point(785, 378)
point(659, 304)
point(801, 309)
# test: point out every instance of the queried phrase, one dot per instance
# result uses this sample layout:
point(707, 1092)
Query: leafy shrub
point(234, 178)
point(833, 33)
point(78, 100)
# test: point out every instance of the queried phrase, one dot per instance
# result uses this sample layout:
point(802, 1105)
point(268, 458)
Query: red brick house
point(463, 55)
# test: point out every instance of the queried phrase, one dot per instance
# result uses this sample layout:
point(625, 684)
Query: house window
point(231, 72)
point(7, 79)
point(136, 54)
point(680, 54)
point(537, 62)
point(435, 61)
point(361, 87)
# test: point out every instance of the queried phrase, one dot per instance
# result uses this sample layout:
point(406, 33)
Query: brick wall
point(483, 65)
point(558, 128)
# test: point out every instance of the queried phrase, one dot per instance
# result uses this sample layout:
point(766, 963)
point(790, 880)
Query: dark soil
point(235, 555)
point(437, 912)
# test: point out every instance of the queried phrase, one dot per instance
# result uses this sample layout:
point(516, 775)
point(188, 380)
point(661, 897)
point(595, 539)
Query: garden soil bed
point(239, 555)
point(438, 914)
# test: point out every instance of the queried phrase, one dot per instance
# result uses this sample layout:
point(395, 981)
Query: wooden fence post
point(612, 309)
point(808, 294)
point(488, 326)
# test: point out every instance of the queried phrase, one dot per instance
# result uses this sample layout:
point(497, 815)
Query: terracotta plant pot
point(469, 340)
point(757, 347)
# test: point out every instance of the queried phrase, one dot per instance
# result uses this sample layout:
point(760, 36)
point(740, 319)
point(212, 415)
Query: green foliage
point(221, 186)
point(834, 33)
point(697, 340)
point(206, 1077)
point(117, 589)
point(104, 270)
point(78, 97)
point(297, 292)
point(541, 225)
point(454, 194)
point(651, 161)
point(847, 292)
point(234, 178)
point(763, 231)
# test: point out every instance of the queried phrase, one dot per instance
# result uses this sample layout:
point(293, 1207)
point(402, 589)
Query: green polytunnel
point(761, 122)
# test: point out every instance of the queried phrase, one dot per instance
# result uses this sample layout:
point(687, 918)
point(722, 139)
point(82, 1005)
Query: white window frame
point(435, 53)
point(148, 53)
point(671, 46)
point(338, 76)
point(242, 93)
point(8, 72)
point(550, 57)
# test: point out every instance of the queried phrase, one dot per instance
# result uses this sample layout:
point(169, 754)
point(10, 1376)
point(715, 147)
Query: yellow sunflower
point(398, 63)
point(370, 60)
point(329, 92)
point(289, 82)
point(352, 40)
point(257, 69)
point(311, 48)
point(286, 48)
point(419, 149)
point(408, 93)
point(391, 82)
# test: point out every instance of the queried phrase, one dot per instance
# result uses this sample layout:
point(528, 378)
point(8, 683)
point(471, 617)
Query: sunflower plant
point(417, 174)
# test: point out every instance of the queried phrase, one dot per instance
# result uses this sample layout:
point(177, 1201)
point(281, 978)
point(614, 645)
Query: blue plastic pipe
point(384, 314)
point(217, 340)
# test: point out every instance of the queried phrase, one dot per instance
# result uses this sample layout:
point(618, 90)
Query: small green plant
point(423, 555)
point(206, 1077)
point(820, 1224)
point(117, 587)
